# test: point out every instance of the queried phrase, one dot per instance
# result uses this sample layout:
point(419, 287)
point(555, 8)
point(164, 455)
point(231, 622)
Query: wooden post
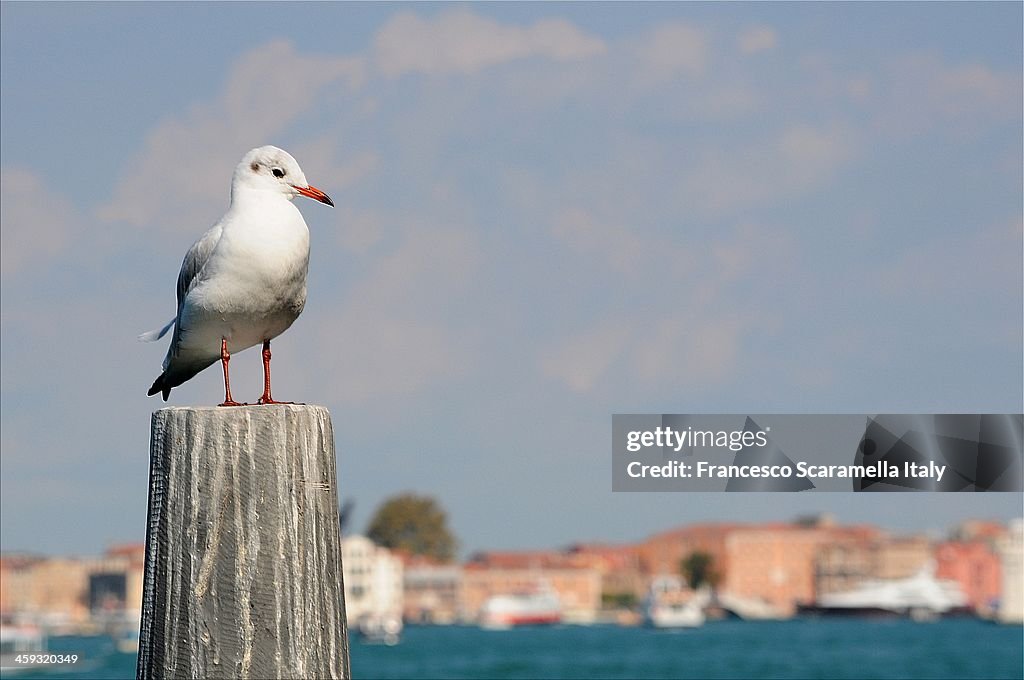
point(243, 556)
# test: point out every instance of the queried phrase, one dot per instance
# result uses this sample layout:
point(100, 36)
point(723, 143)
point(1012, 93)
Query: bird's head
point(271, 169)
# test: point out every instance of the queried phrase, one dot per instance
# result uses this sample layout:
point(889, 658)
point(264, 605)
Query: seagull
point(244, 281)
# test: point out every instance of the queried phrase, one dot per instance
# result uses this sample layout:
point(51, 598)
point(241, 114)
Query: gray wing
point(191, 270)
point(191, 267)
point(195, 259)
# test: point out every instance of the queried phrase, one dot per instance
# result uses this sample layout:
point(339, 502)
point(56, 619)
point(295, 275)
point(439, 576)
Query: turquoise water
point(804, 648)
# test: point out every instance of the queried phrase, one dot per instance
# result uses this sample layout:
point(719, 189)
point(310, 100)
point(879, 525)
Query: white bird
point(244, 282)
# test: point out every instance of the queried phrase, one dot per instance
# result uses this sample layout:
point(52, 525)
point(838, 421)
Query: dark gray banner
point(890, 452)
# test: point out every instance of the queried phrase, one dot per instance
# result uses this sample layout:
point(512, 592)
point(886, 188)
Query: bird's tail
point(156, 334)
point(160, 385)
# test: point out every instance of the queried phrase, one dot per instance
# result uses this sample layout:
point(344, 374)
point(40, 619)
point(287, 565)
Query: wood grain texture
point(243, 558)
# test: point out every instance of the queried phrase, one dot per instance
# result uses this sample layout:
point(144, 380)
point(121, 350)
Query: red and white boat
point(521, 609)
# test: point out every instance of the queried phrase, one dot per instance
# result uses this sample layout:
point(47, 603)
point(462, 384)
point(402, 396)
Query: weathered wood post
point(243, 556)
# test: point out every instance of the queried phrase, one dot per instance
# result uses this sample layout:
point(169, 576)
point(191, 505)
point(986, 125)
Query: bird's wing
point(191, 273)
point(191, 266)
point(195, 259)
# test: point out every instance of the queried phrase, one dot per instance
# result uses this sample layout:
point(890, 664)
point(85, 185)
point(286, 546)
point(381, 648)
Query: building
point(373, 580)
point(623, 583)
point(1010, 549)
point(842, 566)
point(978, 530)
point(578, 589)
point(774, 565)
point(15, 584)
point(975, 566)
point(528, 559)
point(70, 594)
point(663, 553)
point(50, 592)
point(115, 582)
point(432, 592)
point(765, 567)
point(902, 557)
point(852, 557)
point(773, 568)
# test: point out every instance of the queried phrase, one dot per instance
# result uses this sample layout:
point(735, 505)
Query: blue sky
point(547, 213)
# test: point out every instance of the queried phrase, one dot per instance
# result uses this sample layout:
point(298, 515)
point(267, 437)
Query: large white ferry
point(920, 596)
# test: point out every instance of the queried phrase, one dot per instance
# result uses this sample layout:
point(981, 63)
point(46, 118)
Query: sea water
point(801, 648)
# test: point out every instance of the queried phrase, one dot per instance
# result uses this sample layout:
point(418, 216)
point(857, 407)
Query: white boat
point(750, 608)
point(521, 609)
point(669, 605)
point(20, 641)
point(385, 629)
point(921, 597)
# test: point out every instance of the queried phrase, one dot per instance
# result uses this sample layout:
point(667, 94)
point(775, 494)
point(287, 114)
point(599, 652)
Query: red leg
point(266, 398)
point(225, 357)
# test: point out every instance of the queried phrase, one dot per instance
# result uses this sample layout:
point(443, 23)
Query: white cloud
point(695, 349)
point(920, 93)
point(962, 269)
point(683, 324)
point(323, 168)
point(631, 250)
point(811, 151)
point(392, 335)
point(859, 88)
point(582, 360)
point(181, 178)
point(723, 102)
point(698, 349)
point(430, 263)
point(966, 88)
point(359, 230)
point(613, 245)
point(463, 42)
point(37, 224)
point(673, 49)
point(795, 161)
point(757, 39)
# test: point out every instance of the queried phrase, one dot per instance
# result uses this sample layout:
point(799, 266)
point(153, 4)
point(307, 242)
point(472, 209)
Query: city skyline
point(466, 554)
point(547, 214)
point(784, 567)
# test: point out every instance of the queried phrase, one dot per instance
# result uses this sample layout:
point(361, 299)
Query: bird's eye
point(278, 172)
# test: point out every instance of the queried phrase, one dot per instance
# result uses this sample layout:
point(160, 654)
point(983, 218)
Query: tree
point(698, 568)
point(621, 600)
point(414, 523)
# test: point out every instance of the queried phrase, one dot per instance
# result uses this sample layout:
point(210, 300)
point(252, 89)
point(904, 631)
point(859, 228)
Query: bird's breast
point(258, 270)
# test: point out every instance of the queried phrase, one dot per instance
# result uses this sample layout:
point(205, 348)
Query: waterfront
point(800, 648)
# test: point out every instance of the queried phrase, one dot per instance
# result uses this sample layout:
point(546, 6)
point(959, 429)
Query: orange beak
point(315, 194)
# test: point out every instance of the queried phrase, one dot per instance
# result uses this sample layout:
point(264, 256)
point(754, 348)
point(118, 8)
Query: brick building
point(68, 594)
point(975, 566)
point(432, 592)
point(578, 587)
